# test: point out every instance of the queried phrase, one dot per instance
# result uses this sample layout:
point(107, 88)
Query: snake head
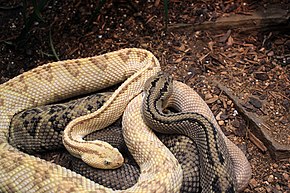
point(109, 159)
point(160, 78)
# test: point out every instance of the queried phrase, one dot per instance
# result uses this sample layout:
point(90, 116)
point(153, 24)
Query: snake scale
point(160, 171)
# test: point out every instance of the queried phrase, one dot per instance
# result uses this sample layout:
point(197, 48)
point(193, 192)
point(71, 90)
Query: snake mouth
point(113, 164)
point(118, 165)
point(120, 162)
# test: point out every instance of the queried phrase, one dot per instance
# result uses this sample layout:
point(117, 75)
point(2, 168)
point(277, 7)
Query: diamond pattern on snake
point(45, 134)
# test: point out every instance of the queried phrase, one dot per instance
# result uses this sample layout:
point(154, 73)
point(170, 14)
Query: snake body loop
point(216, 167)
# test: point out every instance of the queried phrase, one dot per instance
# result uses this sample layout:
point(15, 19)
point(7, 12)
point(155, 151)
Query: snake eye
point(107, 162)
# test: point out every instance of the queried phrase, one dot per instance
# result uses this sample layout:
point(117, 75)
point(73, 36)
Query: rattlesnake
point(217, 173)
point(55, 81)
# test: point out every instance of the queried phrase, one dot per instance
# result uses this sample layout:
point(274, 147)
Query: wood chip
point(212, 100)
point(257, 142)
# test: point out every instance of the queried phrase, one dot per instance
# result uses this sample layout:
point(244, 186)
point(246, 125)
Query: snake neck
point(135, 75)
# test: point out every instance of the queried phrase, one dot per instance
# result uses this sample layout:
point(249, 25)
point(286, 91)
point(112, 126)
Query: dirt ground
point(253, 64)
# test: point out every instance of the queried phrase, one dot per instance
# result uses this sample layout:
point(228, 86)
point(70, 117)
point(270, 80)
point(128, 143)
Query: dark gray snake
point(40, 130)
point(216, 167)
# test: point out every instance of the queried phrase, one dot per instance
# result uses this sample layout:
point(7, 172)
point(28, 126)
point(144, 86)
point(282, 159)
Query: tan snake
point(21, 172)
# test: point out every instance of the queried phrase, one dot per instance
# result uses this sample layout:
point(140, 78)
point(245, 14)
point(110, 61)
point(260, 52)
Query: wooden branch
point(271, 18)
point(258, 129)
point(257, 142)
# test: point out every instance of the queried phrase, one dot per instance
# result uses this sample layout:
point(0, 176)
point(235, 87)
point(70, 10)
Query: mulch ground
point(254, 65)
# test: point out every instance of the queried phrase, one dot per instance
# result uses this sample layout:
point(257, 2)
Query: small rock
point(235, 113)
point(218, 116)
point(218, 102)
point(241, 131)
point(285, 176)
point(263, 97)
point(261, 76)
point(216, 90)
point(275, 165)
point(269, 189)
point(224, 116)
point(212, 100)
point(255, 102)
point(278, 187)
point(270, 179)
point(144, 45)
point(248, 107)
point(286, 104)
point(253, 183)
point(229, 102)
point(260, 190)
point(236, 123)
point(221, 122)
point(247, 190)
point(224, 72)
point(207, 96)
point(21, 71)
point(271, 53)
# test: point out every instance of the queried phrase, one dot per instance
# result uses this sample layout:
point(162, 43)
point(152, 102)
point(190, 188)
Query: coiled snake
point(40, 129)
point(20, 172)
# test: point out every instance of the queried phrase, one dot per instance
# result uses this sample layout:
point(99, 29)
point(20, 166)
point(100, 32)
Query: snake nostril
point(107, 162)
